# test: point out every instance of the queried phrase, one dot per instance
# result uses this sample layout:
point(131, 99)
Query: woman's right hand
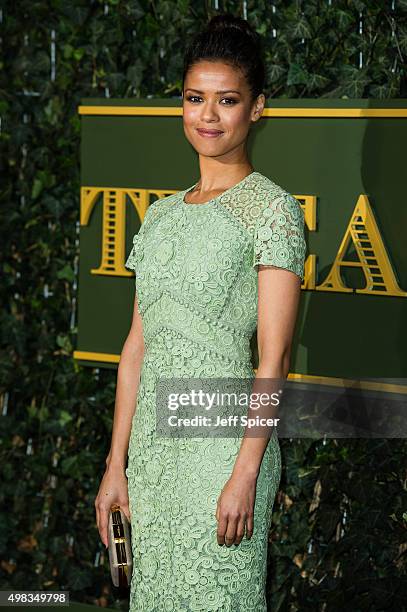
point(113, 489)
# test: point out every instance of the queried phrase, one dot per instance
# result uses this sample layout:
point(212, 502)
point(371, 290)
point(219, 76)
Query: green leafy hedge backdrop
point(338, 539)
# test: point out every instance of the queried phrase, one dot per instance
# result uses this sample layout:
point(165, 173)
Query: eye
point(190, 98)
point(229, 101)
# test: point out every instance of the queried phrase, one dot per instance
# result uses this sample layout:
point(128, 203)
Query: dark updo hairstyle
point(231, 40)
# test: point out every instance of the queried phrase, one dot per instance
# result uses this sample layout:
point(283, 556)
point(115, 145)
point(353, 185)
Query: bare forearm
point(128, 380)
point(252, 449)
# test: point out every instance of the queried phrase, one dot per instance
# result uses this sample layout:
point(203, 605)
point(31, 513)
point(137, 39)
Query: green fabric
point(196, 283)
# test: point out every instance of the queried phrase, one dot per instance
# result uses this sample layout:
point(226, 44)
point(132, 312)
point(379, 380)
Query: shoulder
point(262, 199)
point(277, 207)
point(274, 196)
point(161, 204)
point(157, 208)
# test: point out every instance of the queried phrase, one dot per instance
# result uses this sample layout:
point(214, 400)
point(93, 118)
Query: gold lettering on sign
point(309, 207)
point(113, 223)
point(113, 253)
point(374, 261)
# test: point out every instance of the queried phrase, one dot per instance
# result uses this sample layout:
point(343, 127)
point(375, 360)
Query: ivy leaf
point(36, 188)
point(297, 75)
point(64, 418)
point(66, 273)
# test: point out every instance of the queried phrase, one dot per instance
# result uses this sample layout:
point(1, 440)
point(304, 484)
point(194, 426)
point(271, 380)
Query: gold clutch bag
point(119, 546)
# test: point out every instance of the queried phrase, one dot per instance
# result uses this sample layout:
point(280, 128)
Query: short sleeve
point(134, 255)
point(279, 238)
point(136, 252)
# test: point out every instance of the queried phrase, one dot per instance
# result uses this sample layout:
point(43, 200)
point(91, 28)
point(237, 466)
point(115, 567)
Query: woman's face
point(217, 98)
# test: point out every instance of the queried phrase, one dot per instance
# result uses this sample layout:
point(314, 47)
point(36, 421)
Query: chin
point(209, 151)
point(209, 145)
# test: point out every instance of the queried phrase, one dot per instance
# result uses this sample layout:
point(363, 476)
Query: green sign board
point(344, 160)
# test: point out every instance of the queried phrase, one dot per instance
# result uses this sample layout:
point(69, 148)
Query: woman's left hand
point(235, 509)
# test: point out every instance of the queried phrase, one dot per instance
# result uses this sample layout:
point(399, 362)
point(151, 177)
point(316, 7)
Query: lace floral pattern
point(196, 284)
point(279, 235)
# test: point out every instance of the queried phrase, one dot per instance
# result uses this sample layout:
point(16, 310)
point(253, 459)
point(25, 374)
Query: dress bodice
point(196, 264)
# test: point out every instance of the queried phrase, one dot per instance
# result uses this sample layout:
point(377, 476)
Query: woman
point(212, 262)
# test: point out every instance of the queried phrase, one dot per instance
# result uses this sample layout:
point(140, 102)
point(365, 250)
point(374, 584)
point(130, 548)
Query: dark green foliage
point(349, 552)
point(339, 527)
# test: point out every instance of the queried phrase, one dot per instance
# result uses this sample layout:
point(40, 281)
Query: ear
point(258, 107)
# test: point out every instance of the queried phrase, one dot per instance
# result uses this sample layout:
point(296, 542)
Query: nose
point(209, 112)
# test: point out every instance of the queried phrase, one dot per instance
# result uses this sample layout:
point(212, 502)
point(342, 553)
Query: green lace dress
point(196, 284)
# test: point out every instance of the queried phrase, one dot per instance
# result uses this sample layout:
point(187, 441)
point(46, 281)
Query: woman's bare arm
point(113, 487)
point(128, 379)
point(278, 298)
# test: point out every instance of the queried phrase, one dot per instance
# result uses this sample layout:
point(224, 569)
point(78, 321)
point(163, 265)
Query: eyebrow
point(217, 92)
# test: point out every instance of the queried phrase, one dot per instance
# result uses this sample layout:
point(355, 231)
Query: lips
point(209, 133)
